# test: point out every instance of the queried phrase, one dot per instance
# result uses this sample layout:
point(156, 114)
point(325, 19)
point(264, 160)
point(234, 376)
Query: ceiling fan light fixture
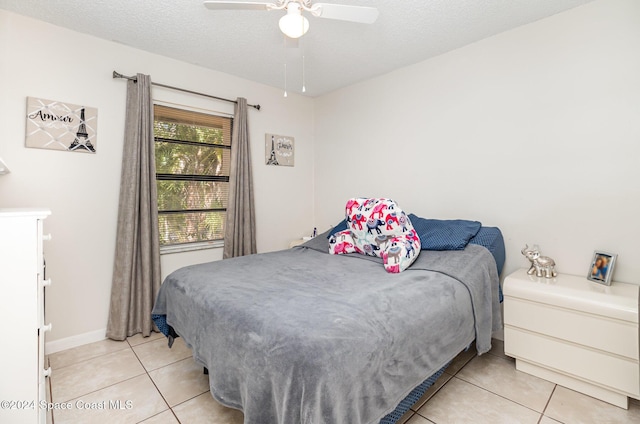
point(293, 24)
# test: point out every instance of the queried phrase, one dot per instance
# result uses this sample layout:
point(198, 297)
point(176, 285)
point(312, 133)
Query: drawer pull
point(47, 372)
point(46, 237)
point(46, 328)
point(46, 283)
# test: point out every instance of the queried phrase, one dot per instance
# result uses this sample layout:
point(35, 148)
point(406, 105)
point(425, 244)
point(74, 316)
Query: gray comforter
point(301, 336)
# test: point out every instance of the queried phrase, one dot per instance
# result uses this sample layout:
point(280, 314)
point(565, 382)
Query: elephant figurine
point(540, 265)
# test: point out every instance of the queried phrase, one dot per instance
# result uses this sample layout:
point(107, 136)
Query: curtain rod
point(134, 79)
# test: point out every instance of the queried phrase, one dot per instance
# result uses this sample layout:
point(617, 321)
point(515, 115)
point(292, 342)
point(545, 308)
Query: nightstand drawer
point(606, 334)
point(614, 372)
point(618, 301)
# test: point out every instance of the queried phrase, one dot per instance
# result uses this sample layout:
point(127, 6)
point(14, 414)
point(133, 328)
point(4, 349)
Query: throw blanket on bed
point(301, 336)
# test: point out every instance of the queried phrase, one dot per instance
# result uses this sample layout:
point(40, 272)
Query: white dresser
point(576, 333)
point(22, 283)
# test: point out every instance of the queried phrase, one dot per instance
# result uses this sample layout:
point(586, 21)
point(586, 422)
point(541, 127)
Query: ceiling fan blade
point(238, 5)
point(361, 14)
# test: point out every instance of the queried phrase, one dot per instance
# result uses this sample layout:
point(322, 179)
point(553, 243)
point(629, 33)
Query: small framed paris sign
point(61, 126)
point(279, 150)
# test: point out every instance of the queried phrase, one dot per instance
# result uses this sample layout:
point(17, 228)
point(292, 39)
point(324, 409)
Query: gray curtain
point(240, 226)
point(136, 270)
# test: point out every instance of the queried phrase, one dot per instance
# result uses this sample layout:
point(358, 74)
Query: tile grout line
point(555, 386)
point(467, 362)
point(170, 408)
point(505, 398)
point(86, 359)
point(542, 414)
point(102, 388)
point(441, 387)
point(432, 396)
point(170, 363)
point(128, 346)
point(489, 391)
point(154, 385)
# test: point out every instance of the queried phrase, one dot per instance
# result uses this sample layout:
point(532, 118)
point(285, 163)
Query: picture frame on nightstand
point(601, 269)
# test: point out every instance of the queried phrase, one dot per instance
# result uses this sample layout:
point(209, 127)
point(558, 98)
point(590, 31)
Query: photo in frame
point(279, 150)
point(601, 269)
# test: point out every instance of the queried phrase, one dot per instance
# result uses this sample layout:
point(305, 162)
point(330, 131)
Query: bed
point(302, 336)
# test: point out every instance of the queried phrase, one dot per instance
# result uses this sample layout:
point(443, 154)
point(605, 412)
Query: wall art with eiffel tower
point(279, 150)
point(61, 126)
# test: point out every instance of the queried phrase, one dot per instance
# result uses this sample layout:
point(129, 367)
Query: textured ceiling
point(249, 44)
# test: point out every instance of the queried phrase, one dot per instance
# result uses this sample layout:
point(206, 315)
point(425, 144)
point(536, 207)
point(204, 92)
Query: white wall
point(45, 61)
point(535, 130)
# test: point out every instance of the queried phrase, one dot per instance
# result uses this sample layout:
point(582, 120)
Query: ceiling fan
point(294, 24)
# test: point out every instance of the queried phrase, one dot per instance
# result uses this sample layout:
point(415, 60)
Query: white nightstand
point(298, 242)
point(576, 333)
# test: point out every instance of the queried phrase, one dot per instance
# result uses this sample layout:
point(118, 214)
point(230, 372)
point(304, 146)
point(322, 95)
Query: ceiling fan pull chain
point(304, 86)
point(285, 80)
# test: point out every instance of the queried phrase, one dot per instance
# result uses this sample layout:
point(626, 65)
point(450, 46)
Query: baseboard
point(75, 341)
point(498, 334)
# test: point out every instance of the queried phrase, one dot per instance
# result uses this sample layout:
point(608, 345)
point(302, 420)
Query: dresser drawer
point(594, 366)
point(594, 331)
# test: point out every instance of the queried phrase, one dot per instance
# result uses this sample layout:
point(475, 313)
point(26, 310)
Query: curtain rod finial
point(119, 75)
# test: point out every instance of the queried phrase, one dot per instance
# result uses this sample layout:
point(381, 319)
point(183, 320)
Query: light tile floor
point(141, 380)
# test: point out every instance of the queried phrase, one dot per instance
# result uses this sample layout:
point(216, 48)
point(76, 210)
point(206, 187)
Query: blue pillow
point(340, 227)
point(436, 234)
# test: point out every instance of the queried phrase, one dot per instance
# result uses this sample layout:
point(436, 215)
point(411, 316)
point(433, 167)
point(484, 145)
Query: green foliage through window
point(193, 152)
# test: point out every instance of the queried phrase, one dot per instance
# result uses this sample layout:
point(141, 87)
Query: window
point(193, 152)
